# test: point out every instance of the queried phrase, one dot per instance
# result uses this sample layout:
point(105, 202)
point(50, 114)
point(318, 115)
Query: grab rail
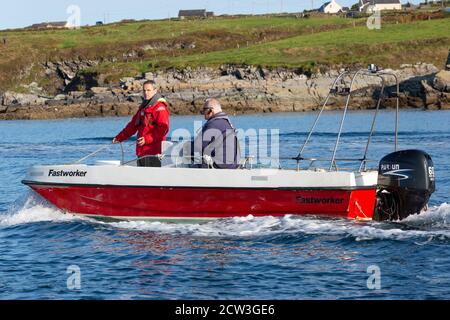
point(374, 72)
point(91, 154)
point(101, 149)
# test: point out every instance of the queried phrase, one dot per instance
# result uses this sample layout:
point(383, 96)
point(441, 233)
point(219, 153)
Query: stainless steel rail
point(348, 92)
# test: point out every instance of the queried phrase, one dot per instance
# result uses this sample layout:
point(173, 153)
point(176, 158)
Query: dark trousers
point(149, 162)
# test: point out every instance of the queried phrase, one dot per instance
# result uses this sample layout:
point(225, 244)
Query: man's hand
point(115, 141)
point(141, 141)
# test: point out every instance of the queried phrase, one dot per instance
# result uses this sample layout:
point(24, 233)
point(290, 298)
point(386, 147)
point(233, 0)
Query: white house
point(48, 25)
point(370, 6)
point(330, 7)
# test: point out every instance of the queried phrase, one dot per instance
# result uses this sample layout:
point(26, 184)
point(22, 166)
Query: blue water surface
point(238, 258)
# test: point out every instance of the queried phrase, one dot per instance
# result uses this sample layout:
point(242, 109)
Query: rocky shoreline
point(241, 89)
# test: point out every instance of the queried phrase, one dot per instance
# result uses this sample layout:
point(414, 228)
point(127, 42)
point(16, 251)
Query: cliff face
point(240, 89)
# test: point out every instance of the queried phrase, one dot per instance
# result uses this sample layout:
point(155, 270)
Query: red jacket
point(150, 122)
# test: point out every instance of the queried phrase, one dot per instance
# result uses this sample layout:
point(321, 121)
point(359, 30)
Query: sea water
point(47, 254)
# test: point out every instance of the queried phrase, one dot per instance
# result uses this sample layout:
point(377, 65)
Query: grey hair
point(213, 103)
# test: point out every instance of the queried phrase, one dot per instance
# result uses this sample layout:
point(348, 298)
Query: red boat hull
point(124, 202)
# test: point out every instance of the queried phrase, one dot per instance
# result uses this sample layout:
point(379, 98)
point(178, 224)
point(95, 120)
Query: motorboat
point(400, 186)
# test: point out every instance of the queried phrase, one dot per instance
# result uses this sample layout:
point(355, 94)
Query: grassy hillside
point(391, 45)
point(308, 43)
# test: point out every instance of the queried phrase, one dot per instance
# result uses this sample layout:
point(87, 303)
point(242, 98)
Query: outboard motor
point(405, 184)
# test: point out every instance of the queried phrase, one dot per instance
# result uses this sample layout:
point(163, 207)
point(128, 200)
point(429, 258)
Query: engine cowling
point(406, 181)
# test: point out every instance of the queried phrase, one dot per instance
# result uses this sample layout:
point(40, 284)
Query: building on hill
point(370, 6)
point(330, 7)
point(434, 3)
point(409, 6)
point(199, 13)
point(49, 25)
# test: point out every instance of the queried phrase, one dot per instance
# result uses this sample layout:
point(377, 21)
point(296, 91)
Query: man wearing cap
point(151, 122)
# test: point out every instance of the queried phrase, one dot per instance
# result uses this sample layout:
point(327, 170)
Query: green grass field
point(389, 45)
point(270, 41)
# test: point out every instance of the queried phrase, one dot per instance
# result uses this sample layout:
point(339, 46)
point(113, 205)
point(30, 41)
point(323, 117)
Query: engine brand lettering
point(62, 173)
point(390, 166)
point(314, 200)
point(431, 173)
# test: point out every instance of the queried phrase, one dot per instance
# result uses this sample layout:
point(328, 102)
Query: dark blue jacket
point(219, 140)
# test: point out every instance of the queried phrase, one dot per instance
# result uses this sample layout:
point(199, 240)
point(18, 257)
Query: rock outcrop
point(442, 81)
point(241, 89)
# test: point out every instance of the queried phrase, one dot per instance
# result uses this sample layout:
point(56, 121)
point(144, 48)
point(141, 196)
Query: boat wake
point(433, 224)
point(32, 209)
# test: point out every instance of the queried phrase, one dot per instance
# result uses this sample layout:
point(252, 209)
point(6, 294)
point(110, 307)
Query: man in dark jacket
point(218, 138)
point(151, 122)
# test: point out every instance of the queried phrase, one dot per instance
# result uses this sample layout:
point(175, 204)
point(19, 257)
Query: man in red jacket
point(151, 122)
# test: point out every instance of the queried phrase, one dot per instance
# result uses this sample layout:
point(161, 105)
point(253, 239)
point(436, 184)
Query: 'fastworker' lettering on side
point(313, 200)
point(62, 173)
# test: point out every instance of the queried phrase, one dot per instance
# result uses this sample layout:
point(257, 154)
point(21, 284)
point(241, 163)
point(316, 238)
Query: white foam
point(434, 216)
point(431, 224)
point(35, 214)
point(261, 226)
point(34, 209)
point(239, 226)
